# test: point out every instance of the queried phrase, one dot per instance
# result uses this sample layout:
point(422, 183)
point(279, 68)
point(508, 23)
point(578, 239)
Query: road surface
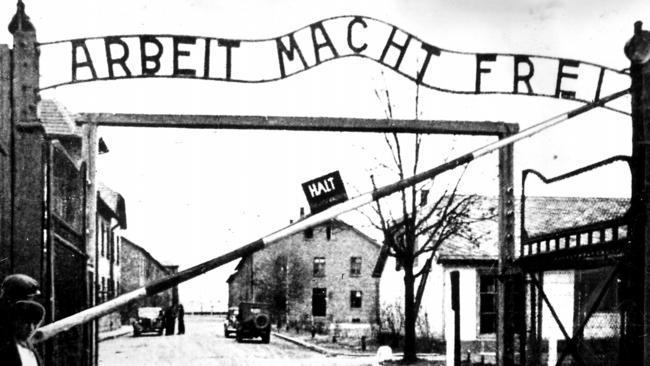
point(204, 344)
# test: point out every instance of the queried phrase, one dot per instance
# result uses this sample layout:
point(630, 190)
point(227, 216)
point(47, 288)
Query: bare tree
point(419, 226)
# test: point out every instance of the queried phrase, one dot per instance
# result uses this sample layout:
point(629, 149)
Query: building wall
point(344, 243)
point(107, 279)
point(239, 285)
point(139, 268)
point(559, 289)
point(392, 294)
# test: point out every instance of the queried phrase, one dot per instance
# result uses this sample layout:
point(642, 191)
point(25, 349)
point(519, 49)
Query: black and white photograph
point(390, 182)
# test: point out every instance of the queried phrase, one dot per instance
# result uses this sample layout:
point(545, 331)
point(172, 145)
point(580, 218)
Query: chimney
point(302, 212)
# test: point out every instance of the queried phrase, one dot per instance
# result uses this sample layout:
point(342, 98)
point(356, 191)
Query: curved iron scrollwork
point(599, 229)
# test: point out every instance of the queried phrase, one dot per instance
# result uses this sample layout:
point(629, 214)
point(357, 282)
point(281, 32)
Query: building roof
point(547, 214)
point(543, 215)
point(114, 202)
point(56, 119)
point(337, 222)
point(164, 267)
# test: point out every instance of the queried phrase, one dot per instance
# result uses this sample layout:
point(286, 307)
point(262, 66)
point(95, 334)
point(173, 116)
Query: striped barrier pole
point(50, 330)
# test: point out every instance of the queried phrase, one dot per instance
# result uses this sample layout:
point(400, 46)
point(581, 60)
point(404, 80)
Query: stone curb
point(319, 349)
point(305, 344)
point(122, 331)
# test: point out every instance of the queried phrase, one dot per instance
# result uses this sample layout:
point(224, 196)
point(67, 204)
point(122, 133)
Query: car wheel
point(266, 338)
point(238, 338)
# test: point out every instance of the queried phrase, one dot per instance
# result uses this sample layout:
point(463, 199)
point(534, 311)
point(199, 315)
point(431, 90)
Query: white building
point(477, 265)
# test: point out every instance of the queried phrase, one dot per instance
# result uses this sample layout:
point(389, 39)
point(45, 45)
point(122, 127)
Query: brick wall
point(337, 243)
point(138, 268)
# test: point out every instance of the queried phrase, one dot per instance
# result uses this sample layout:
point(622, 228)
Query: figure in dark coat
point(170, 319)
point(181, 319)
point(19, 318)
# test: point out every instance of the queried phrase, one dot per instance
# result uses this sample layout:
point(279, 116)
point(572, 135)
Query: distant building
point(111, 217)
point(320, 276)
point(138, 268)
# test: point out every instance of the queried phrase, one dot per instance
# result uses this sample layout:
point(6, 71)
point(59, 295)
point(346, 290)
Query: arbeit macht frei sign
point(253, 61)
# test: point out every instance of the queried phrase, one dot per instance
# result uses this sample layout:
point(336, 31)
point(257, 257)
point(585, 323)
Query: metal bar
point(550, 306)
point(168, 282)
point(62, 222)
point(573, 342)
point(68, 245)
point(570, 347)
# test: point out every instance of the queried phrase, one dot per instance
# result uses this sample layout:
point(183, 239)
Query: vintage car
point(230, 325)
point(149, 320)
point(253, 321)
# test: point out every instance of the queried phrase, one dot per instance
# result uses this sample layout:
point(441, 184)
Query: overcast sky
point(195, 194)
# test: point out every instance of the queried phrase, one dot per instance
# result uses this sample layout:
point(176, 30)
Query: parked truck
point(253, 321)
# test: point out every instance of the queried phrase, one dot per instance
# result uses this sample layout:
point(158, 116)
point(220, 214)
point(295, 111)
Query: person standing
point(181, 319)
point(170, 319)
point(15, 287)
point(25, 317)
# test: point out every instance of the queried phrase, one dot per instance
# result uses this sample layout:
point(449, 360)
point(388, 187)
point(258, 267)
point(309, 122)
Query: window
point(117, 249)
point(102, 290)
point(319, 267)
point(487, 303)
point(103, 239)
point(355, 299)
point(319, 302)
point(355, 266)
point(110, 290)
point(309, 233)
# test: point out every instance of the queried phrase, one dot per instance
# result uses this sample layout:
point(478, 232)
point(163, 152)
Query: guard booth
point(572, 253)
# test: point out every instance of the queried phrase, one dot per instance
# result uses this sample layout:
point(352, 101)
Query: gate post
point(635, 294)
point(28, 175)
point(509, 345)
point(6, 138)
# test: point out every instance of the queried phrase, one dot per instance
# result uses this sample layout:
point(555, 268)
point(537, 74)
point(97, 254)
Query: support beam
point(475, 128)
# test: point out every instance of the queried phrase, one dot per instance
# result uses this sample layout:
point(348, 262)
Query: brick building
point(110, 219)
point(321, 275)
point(138, 268)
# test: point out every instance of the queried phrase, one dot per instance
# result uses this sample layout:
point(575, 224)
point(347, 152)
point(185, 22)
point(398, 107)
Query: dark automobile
point(149, 320)
point(230, 325)
point(253, 321)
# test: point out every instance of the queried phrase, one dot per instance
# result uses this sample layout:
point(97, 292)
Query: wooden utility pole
point(507, 326)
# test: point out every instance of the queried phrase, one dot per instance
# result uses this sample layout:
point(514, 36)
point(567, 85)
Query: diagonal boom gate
point(64, 324)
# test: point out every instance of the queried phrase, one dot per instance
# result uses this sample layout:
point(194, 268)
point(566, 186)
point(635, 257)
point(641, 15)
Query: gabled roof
point(146, 253)
point(543, 214)
point(56, 119)
point(336, 222)
point(114, 202)
point(486, 231)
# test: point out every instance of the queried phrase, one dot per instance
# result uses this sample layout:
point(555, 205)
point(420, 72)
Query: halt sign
point(324, 191)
